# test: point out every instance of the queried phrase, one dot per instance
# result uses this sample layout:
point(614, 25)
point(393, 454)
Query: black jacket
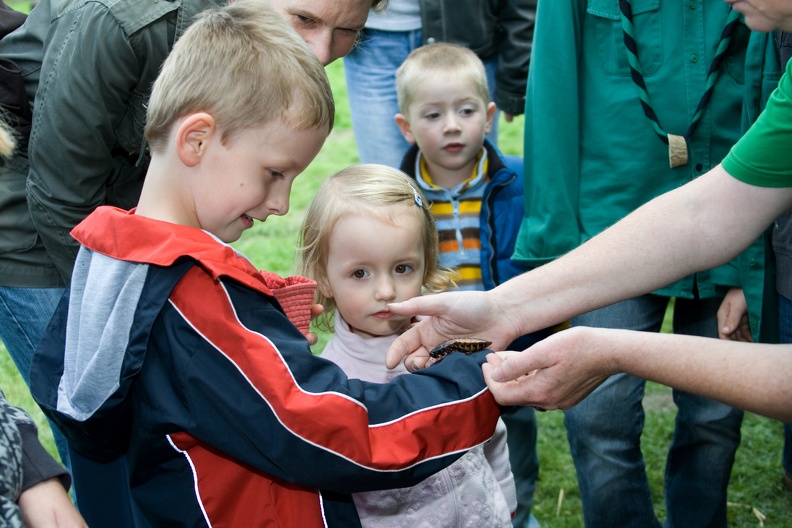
point(488, 27)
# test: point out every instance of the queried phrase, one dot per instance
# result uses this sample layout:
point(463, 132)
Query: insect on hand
point(466, 346)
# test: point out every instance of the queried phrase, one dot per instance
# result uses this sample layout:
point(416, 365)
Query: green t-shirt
point(763, 156)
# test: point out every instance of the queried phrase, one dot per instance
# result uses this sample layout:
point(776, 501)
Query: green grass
point(756, 476)
point(23, 6)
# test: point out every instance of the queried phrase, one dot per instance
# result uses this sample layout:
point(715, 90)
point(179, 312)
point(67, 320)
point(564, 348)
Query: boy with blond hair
point(476, 195)
point(445, 114)
point(170, 349)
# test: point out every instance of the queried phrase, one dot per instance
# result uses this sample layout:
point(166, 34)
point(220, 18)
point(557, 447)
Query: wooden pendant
point(677, 151)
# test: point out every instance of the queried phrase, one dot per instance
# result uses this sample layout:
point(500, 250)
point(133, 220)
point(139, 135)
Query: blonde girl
point(369, 239)
point(379, 193)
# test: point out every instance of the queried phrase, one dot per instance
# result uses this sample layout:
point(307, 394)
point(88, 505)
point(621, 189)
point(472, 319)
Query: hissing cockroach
point(464, 345)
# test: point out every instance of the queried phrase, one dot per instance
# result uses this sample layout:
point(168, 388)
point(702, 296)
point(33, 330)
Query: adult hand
point(449, 315)
point(47, 505)
point(508, 117)
point(733, 322)
point(555, 373)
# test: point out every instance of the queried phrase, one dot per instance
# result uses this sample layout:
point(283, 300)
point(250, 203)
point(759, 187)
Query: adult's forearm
point(696, 227)
point(754, 377)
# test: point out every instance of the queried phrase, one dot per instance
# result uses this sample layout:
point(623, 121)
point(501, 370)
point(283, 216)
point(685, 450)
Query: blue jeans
point(370, 71)
point(785, 333)
point(521, 438)
point(24, 315)
point(604, 433)
point(521, 430)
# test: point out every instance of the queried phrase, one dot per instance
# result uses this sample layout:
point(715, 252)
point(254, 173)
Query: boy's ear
point(404, 127)
point(193, 137)
point(490, 116)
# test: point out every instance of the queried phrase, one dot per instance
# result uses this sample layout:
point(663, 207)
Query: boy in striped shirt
point(476, 196)
point(476, 192)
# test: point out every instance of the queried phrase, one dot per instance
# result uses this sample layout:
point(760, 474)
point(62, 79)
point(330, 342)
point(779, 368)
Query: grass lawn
point(756, 495)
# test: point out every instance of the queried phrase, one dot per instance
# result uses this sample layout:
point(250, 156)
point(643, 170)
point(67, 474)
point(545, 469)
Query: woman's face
point(765, 15)
point(330, 27)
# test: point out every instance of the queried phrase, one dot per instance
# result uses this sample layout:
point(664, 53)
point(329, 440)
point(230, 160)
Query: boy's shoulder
point(513, 164)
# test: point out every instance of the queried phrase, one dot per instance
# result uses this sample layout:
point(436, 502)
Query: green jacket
point(88, 67)
point(592, 156)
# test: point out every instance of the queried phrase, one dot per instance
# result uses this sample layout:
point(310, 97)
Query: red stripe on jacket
point(233, 494)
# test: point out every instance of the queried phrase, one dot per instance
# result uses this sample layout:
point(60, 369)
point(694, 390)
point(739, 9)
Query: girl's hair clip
point(418, 199)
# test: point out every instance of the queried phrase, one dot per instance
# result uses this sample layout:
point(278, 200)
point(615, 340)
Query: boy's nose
point(280, 207)
point(274, 205)
point(451, 124)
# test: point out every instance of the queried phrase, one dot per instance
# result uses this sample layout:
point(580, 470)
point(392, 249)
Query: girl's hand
point(316, 311)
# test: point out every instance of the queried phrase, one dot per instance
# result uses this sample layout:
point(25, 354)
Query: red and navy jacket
point(171, 351)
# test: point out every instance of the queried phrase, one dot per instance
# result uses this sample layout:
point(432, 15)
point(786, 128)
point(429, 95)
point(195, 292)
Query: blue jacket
point(501, 213)
point(172, 351)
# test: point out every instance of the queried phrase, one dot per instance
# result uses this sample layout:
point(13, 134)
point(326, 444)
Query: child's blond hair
point(246, 67)
point(439, 61)
point(368, 189)
point(7, 138)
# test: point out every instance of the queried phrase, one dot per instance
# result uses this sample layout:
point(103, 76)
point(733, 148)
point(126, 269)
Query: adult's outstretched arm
point(698, 226)
point(564, 368)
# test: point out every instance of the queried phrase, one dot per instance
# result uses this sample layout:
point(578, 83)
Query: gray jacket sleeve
point(37, 464)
